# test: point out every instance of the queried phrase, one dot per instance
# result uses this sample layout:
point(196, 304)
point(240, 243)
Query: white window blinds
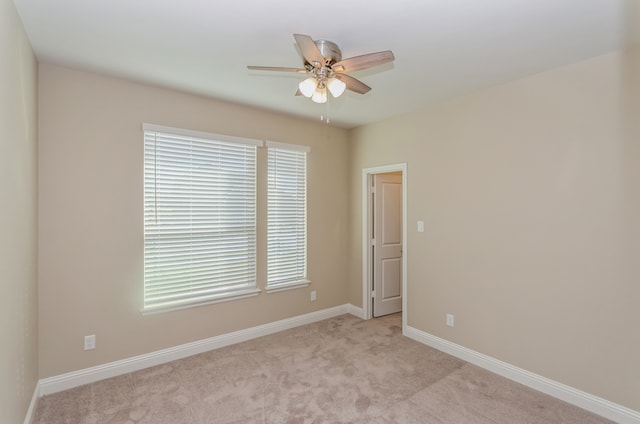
point(286, 215)
point(199, 217)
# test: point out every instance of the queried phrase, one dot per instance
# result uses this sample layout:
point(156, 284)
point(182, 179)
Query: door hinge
point(373, 242)
point(373, 294)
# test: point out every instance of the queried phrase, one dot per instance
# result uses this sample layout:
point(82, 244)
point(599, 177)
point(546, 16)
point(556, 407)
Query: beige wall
point(530, 193)
point(18, 218)
point(91, 233)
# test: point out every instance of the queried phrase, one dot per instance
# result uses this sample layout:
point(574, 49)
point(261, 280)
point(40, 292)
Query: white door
point(387, 244)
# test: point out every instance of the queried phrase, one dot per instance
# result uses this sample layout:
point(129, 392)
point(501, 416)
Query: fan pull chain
point(324, 112)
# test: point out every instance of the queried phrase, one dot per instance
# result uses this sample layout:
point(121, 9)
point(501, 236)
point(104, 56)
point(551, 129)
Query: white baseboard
point(28, 419)
point(355, 311)
point(90, 375)
point(599, 406)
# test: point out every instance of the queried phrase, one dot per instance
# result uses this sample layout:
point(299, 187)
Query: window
point(286, 215)
point(199, 217)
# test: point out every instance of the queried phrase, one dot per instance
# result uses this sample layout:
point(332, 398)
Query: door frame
point(367, 176)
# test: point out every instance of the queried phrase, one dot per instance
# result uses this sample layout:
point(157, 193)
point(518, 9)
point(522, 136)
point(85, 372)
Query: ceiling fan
point(327, 70)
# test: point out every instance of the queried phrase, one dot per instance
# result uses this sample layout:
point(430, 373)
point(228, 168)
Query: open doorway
point(384, 251)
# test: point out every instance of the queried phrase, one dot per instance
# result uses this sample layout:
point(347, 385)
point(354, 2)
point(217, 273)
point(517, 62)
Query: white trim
point(366, 290)
point(73, 379)
point(355, 311)
point(28, 419)
point(289, 146)
point(202, 134)
point(597, 405)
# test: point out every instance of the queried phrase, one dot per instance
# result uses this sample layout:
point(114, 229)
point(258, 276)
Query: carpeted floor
point(342, 370)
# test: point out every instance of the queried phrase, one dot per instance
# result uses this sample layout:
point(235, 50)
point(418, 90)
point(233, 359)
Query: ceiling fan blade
point(276, 68)
point(309, 50)
point(363, 62)
point(353, 84)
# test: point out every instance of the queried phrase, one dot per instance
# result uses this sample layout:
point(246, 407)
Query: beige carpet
point(342, 370)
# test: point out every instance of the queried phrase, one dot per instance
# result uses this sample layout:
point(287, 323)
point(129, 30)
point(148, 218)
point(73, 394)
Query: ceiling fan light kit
point(316, 88)
point(326, 69)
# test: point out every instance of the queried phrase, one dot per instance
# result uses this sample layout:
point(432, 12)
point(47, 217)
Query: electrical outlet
point(89, 342)
point(450, 320)
point(313, 296)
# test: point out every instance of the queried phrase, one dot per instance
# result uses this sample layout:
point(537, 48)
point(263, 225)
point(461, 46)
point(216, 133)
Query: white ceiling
point(443, 48)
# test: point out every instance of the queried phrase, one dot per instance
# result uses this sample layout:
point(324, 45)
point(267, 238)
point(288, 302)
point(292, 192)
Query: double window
point(200, 217)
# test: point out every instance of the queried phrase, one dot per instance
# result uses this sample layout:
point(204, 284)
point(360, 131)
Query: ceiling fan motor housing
point(329, 51)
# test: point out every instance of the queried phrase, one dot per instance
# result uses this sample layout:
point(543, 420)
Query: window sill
point(223, 297)
point(289, 286)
